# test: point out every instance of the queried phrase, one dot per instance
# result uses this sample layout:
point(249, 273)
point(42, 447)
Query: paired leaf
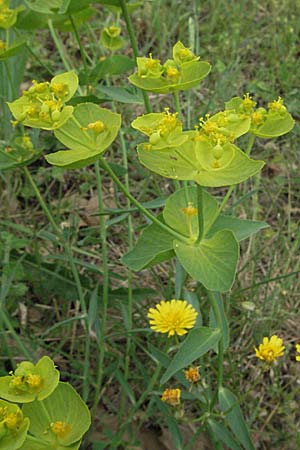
point(198, 342)
point(81, 135)
point(64, 405)
point(230, 407)
point(213, 261)
point(153, 247)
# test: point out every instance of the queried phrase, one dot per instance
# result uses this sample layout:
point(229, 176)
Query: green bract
point(110, 38)
point(19, 153)
point(181, 73)
point(213, 260)
point(13, 426)
point(30, 382)
point(59, 421)
point(8, 16)
point(87, 133)
point(43, 105)
point(265, 123)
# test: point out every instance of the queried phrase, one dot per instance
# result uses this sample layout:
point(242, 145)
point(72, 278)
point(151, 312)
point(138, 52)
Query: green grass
point(253, 47)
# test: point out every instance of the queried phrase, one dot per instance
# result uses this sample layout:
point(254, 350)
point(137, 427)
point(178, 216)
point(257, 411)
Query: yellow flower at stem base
point(298, 351)
point(172, 317)
point(270, 349)
point(171, 396)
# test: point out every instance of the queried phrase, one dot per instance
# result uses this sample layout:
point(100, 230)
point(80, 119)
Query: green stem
point(200, 213)
point(177, 103)
point(250, 144)
point(218, 317)
point(223, 203)
point(134, 47)
point(103, 238)
point(82, 50)
point(58, 45)
point(138, 205)
point(74, 270)
point(130, 295)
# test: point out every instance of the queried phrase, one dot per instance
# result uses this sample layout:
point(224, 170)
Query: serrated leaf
point(198, 342)
point(213, 261)
point(230, 407)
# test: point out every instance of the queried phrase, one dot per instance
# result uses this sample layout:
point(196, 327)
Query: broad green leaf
point(31, 445)
point(177, 163)
point(241, 228)
point(174, 215)
point(221, 432)
point(13, 426)
point(12, 50)
point(274, 126)
point(238, 169)
point(154, 246)
point(213, 261)
point(230, 407)
point(40, 6)
point(112, 65)
point(63, 23)
point(31, 20)
point(20, 387)
point(198, 342)
point(191, 75)
point(64, 405)
point(70, 79)
point(225, 325)
point(86, 143)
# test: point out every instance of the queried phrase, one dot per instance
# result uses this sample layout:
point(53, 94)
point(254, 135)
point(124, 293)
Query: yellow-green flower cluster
point(43, 105)
point(8, 16)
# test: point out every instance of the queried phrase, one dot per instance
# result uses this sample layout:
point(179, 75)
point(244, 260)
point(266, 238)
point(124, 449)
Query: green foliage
point(13, 426)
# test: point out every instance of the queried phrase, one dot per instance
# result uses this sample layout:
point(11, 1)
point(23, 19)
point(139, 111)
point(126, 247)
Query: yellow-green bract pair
point(87, 130)
point(53, 415)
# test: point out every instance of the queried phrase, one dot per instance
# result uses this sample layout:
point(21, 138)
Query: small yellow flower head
point(216, 164)
point(172, 317)
point(59, 89)
point(97, 126)
point(171, 396)
point(113, 31)
point(61, 429)
point(13, 420)
point(2, 46)
point(192, 374)
point(248, 103)
point(257, 118)
point(277, 106)
point(34, 381)
point(298, 351)
point(270, 349)
point(173, 74)
point(190, 210)
point(168, 123)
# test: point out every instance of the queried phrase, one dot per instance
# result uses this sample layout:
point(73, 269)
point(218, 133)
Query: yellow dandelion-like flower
point(171, 396)
point(172, 317)
point(298, 351)
point(270, 349)
point(192, 374)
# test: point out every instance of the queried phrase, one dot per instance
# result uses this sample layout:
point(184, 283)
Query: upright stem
point(82, 50)
point(138, 205)
point(177, 103)
point(200, 213)
point(134, 46)
point(218, 317)
point(58, 45)
point(103, 238)
point(75, 273)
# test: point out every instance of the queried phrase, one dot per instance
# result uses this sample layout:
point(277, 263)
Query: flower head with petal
point(172, 317)
point(270, 349)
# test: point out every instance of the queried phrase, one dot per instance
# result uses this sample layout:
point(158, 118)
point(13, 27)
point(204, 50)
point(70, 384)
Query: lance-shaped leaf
point(30, 382)
point(242, 229)
point(62, 419)
point(198, 342)
point(12, 50)
point(13, 426)
point(175, 216)
point(232, 411)
point(213, 261)
point(87, 133)
point(191, 74)
point(224, 435)
point(20, 152)
point(153, 246)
